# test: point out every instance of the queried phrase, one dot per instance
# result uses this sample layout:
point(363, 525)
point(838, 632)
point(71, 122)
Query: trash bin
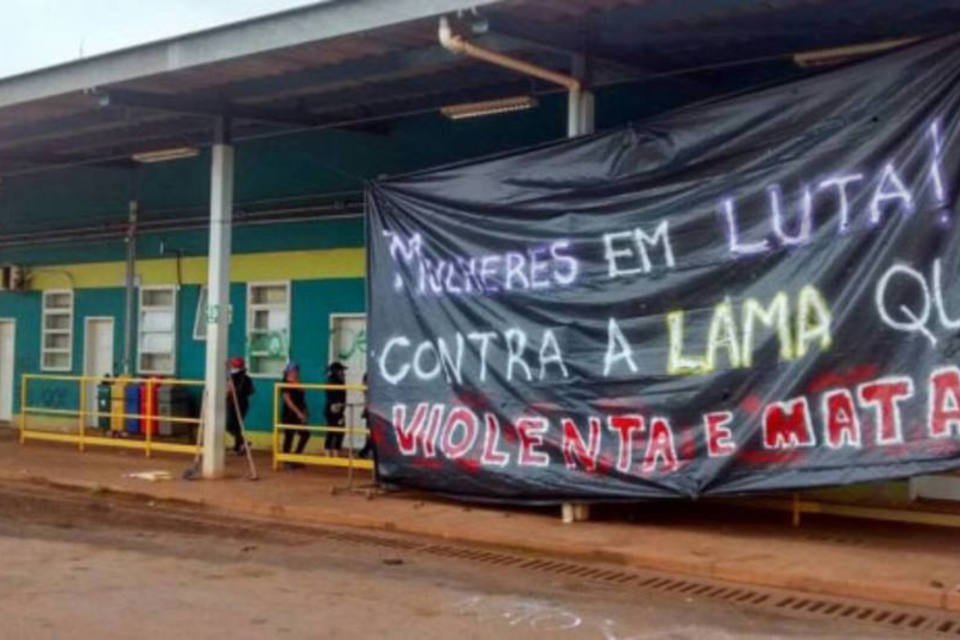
point(148, 402)
point(177, 402)
point(104, 402)
point(117, 390)
point(132, 404)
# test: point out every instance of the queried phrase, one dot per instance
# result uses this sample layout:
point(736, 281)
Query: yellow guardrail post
point(348, 434)
point(351, 462)
point(147, 443)
point(146, 424)
point(81, 412)
point(23, 407)
point(276, 425)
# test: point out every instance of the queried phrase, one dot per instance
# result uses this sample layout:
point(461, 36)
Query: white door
point(7, 330)
point(98, 359)
point(348, 345)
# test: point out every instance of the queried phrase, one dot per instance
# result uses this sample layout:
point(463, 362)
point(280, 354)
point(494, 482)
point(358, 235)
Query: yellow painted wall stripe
point(317, 264)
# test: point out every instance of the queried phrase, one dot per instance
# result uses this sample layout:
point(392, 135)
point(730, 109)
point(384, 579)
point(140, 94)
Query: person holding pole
point(239, 390)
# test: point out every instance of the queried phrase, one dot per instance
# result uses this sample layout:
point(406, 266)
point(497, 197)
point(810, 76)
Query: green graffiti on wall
point(356, 343)
point(270, 344)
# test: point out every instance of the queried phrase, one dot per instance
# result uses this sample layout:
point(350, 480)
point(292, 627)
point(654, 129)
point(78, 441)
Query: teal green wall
point(25, 310)
point(312, 303)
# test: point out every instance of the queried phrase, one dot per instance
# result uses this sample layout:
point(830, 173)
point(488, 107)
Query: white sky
point(40, 33)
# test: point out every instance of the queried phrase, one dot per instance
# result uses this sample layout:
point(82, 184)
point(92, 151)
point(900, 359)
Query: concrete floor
point(80, 568)
point(848, 558)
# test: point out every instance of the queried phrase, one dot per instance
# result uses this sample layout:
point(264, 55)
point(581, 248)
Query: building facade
point(298, 241)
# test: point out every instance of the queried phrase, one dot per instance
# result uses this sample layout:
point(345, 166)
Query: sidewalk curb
point(944, 598)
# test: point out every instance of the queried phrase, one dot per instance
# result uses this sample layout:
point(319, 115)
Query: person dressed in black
point(238, 401)
point(293, 411)
point(335, 409)
point(368, 446)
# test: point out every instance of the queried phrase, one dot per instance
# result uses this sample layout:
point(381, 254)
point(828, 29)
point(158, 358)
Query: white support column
point(586, 112)
point(573, 113)
point(580, 115)
point(218, 302)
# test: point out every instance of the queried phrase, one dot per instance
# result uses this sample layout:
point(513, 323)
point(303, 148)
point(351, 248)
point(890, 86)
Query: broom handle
point(243, 429)
point(203, 407)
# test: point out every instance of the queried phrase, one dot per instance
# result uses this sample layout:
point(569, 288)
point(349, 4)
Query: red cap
point(237, 362)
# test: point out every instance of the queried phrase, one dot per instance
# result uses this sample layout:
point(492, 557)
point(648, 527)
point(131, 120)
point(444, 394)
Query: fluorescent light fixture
point(163, 155)
point(824, 57)
point(488, 107)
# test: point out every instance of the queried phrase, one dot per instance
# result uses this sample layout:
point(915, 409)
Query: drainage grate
point(905, 619)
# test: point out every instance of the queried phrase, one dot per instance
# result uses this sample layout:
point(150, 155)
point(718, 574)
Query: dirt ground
point(91, 565)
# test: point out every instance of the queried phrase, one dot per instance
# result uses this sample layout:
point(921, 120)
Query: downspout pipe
point(459, 45)
point(579, 121)
point(129, 287)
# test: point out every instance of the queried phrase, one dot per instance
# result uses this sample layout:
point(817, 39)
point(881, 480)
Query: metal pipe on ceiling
point(459, 45)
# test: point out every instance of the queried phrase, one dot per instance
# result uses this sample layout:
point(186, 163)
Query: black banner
point(756, 293)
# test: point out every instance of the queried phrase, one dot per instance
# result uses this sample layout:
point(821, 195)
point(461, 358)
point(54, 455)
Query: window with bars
point(56, 340)
point(268, 327)
point(157, 331)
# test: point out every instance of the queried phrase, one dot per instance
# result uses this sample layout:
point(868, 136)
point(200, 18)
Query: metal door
point(98, 359)
point(7, 346)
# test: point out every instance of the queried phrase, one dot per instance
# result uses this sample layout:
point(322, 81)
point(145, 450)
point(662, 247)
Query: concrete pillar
point(218, 301)
point(580, 112)
point(571, 512)
point(580, 116)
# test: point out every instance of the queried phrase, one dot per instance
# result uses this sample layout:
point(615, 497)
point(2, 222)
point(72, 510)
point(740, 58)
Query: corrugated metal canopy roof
point(358, 61)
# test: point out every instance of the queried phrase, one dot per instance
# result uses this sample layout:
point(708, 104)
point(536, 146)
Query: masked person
point(335, 409)
point(293, 411)
point(368, 446)
point(238, 402)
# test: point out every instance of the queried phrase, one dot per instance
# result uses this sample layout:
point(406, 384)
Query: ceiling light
point(163, 155)
point(488, 107)
point(823, 57)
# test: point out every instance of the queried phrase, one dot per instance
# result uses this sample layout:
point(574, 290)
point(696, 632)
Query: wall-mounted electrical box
point(12, 278)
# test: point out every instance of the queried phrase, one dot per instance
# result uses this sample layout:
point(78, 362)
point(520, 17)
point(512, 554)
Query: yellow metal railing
point(351, 462)
point(82, 436)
